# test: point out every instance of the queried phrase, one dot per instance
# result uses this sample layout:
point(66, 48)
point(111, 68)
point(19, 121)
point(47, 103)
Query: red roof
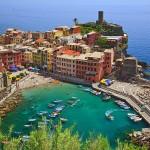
point(71, 52)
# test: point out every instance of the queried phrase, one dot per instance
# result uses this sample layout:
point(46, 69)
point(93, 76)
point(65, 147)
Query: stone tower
point(100, 17)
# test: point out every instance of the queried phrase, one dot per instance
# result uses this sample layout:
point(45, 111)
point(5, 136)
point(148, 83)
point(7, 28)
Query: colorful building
point(75, 30)
point(10, 57)
point(91, 67)
point(82, 48)
point(28, 58)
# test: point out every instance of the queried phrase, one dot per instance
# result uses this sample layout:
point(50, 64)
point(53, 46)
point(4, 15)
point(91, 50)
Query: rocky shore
point(141, 138)
point(10, 103)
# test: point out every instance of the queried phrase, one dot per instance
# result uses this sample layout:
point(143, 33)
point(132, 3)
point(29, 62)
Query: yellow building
point(37, 57)
point(28, 57)
point(49, 58)
point(65, 29)
point(57, 33)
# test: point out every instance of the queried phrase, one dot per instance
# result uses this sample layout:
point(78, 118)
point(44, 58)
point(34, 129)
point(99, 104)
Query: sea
point(86, 115)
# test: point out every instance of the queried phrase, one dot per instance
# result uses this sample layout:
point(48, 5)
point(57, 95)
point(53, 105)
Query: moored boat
point(57, 101)
point(51, 105)
point(109, 115)
point(106, 97)
point(63, 120)
point(27, 125)
point(60, 108)
point(32, 120)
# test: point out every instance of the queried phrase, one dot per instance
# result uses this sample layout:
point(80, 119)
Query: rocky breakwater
point(141, 138)
point(10, 103)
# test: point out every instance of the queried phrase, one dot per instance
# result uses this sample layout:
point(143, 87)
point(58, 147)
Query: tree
point(102, 42)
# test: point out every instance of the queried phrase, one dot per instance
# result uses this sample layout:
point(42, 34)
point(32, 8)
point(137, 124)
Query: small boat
point(75, 102)
point(135, 118)
point(107, 97)
point(125, 107)
point(70, 102)
point(122, 104)
point(131, 114)
point(80, 86)
point(60, 108)
point(51, 105)
point(73, 97)
point(63, 120)
point(27, 125)
point(42, 113)
point(32, 120)
point(87, 89)
point(25, 138)
point(109, 116)
point(57, 101)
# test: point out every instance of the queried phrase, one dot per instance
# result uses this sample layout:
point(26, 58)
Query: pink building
point(91, 38)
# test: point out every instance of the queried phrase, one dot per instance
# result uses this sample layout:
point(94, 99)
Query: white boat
point(106, 97)
point(32, 120)
point(87, 89)
point(63, 120)
point(51, 105)
point(27, 125)
point(131, 114)
point(25, 138)
point(122, 104)
point(75, 102)
point(109, 115)
point(57, 101)
point(135, 117)
point(60, 108)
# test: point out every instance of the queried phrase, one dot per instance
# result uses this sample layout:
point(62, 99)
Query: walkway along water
point(131, 100)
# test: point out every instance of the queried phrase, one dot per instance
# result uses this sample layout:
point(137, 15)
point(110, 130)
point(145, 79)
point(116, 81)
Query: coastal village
point(88, 54)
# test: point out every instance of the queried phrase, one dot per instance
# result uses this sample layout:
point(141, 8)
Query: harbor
point(74, 105)
point(132, 101)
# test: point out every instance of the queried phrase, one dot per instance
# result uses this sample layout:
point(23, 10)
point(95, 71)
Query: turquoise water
point(88, 115)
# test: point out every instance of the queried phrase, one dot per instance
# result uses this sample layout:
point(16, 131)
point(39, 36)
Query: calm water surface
point(88, 115)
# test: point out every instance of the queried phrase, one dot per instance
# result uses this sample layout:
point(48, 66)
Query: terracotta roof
point(40, 40)
point(71, 52)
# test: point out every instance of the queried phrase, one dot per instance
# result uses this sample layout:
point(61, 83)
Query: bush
point(44, 139)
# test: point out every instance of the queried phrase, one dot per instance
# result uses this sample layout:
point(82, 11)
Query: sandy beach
point(36, 80)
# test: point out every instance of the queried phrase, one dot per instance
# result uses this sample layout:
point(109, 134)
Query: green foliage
point(13, 79)
point(22, 74)
point(102, 42)
point(61, 139)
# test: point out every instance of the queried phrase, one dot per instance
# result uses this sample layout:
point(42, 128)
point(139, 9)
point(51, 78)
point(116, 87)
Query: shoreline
point(10, 102)
point(133, 104)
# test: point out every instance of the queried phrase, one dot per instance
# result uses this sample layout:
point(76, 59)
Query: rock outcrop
point(10, 103)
